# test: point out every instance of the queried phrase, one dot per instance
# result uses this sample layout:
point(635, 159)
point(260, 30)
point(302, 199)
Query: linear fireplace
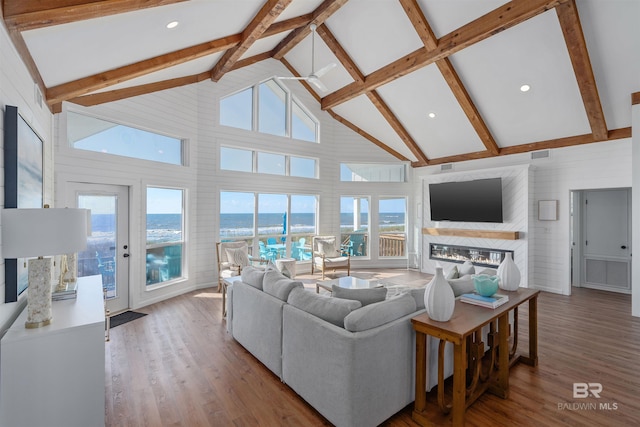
point(483, 257)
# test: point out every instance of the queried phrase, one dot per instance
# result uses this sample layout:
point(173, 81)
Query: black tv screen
point(467, 201)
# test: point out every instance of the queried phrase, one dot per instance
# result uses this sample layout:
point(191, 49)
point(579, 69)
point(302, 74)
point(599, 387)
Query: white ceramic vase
point(509, 274)
point(439, 300)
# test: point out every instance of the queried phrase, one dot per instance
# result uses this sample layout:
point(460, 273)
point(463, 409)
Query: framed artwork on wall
point(23, 185)
point(548, 210)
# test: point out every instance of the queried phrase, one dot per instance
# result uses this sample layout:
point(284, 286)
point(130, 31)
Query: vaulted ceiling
point(464, 61)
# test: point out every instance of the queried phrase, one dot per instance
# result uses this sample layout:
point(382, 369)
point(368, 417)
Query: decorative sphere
point(486, 285)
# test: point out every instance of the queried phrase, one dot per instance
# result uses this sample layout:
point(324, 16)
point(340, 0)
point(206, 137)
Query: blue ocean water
point(168, 227)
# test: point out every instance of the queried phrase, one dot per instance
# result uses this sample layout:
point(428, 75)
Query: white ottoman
point(287, 266)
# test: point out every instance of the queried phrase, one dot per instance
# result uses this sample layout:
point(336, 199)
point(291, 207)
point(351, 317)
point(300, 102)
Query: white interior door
point(107, 252)
point(607, 240)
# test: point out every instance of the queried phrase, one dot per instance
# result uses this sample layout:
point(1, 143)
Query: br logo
point(584, 390)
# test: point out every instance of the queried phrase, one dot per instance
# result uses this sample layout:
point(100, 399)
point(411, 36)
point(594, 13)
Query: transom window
point(242, 160)
point(371, 172)
point(101, 136)
point(269, 107)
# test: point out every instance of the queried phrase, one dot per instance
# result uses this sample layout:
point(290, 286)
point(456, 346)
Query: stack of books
point(70, 291)
point(495, 300)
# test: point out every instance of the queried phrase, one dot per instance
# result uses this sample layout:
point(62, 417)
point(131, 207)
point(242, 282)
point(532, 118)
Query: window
point(271, 163)
point(165, 234)
point(101, 136)
point(354, 225)
point(236, 110)
point(302, 167)
point(303, 126)
point(236, 159)
point(392, 226)
point(283, 226)
point(373, 172)
point(278, 112)
point(272, 109)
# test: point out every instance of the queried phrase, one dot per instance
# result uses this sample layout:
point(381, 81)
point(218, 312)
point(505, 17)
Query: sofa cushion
point(466, 268)
point(278, 285)
point(365, 296)
point(488, 271)
point(463, 285)
point(332, 310)
point(253, 276)
point(379, 313)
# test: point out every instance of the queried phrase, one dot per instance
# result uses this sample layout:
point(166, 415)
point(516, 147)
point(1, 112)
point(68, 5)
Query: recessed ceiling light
point(525, 88)
point(432, 115)
point(172, 24)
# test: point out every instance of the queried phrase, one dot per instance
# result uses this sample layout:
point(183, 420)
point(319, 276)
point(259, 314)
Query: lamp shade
point(42, 232)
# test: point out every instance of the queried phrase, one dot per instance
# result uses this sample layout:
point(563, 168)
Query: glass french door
point(107, 252)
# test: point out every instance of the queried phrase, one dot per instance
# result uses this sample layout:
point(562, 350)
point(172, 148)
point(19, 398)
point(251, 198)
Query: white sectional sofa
point(354, 364)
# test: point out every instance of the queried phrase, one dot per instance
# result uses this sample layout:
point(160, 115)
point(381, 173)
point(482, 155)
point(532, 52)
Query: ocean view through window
point(165, 237)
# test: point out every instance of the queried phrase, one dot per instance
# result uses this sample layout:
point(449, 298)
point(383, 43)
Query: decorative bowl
point(486, 285)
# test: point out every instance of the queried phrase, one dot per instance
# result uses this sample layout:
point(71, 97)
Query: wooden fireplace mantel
point(463, 232)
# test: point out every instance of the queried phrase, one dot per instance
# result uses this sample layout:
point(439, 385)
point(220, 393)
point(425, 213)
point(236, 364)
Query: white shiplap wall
point(589, 166)
point(18, 89)
point(635, 209)
point(191, 112)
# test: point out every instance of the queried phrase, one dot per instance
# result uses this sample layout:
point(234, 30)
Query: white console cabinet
point(54, 375)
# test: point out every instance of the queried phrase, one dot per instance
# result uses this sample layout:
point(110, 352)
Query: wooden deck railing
point(392, 245)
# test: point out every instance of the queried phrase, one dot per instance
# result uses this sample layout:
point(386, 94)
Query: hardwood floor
point(179, 367)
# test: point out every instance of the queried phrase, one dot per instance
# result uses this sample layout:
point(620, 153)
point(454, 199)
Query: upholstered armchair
point(328, 255)
point(232, 258)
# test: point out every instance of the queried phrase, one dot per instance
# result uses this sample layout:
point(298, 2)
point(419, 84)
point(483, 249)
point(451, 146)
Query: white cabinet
point(54, 375)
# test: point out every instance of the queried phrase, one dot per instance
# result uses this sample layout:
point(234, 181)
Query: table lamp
point(36, 233)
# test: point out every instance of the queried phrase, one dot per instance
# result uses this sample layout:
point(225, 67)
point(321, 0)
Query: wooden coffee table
point(348, 282)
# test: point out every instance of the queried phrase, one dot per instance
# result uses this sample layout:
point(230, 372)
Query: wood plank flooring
point(179, 367)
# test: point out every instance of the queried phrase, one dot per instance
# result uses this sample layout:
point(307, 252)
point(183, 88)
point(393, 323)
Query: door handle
point(126, 255)
point(623, 247)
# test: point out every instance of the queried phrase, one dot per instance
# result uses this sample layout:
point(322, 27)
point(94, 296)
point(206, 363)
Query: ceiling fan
point(314, 77)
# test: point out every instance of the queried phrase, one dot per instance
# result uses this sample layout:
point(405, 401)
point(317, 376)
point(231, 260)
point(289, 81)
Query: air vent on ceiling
point(447, 167)
point(540, 154)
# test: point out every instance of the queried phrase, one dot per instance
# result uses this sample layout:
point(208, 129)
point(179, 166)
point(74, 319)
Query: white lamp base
point(39, 293)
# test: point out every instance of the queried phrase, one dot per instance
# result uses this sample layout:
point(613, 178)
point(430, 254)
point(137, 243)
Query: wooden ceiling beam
point(635, 98)
point(400, 130)
point(268, 13)
point(321, 14)
point(25, 15)
point(353, 70)
point(505, 16)
point(414, 13)
point(534, 146)
point(119, 94)
point(367, 136)
point(577, 47)
point(89, 84)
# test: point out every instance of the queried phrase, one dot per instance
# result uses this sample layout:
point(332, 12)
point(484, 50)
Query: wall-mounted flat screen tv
point(479, 200)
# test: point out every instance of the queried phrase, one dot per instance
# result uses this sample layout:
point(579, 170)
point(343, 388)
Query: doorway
point(601, 239)
point(107, 252)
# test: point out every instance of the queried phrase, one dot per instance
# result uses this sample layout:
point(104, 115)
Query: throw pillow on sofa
point(418, 296)
point(278, 285)
point(466, 268)
point(332, 310)
point(365, 296)
point(463, 285)
point(453, 273)
point(379, 313)
point(253, 276)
